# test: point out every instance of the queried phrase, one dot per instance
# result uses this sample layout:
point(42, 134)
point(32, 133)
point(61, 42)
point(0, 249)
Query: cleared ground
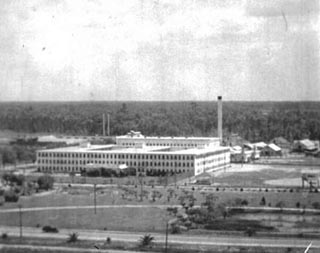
point(249, 182)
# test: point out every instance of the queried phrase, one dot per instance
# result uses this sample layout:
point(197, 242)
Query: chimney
point(103, 124)
point(220, 118)
point(108, 124)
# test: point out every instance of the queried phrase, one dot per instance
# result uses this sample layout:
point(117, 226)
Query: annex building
point(193, 155)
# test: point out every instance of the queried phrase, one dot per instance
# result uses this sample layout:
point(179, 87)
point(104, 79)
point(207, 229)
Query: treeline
point(254, 121)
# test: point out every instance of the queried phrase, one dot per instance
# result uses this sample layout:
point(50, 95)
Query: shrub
point(14, 179)
point(316, 205)
point(250, 232)
point(108, 240)
point(11, 196)
point(146, 240)
point(73, 237)
point(175, 229)
point(280, 204)
point(263, 202)
point(244, 202)
point(4, 236)
point(45, 182)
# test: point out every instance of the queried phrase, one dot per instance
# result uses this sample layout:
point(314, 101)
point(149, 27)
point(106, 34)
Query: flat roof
point(167, 138)
point(115, 149)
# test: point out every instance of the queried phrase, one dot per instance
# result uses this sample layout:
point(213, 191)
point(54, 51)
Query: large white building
point(136, 139)
point(193, 155)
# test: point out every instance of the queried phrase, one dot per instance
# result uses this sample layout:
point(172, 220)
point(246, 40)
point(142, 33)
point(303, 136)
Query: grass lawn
point(128, 195)
point(129, 219)
point(256, 175)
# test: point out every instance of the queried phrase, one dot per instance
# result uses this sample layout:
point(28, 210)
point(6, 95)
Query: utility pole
point(20, 221)
point(166, 243)
point(141, 186)
point(175, 179)
point(95, 198)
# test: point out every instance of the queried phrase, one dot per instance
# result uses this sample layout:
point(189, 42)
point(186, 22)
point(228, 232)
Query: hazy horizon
point(194, 50)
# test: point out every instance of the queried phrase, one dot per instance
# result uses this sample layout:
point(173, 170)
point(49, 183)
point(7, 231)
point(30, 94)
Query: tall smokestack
point(220, 118)
point(103, 124)
point(108, 124)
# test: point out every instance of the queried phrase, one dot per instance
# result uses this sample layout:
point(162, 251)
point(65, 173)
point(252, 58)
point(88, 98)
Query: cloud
point(158, 50)
point(272, 8)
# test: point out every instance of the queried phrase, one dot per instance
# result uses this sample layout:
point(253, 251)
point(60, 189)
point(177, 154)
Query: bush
point(146, 240)
point(13, 179)
point(263, 202)
point(250, 232)
point(49, 229)
point(244, 202)
point(45, 182)
point(316, 205)
point(11, 196)
point(108, 240)
point(73, 237)
point(4, 236)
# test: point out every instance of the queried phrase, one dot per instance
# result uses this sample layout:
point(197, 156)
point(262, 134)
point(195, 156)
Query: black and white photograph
point(174, 126)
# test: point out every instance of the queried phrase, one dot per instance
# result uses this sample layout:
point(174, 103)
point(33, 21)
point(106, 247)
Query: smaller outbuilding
point(271, 150)
point(281, 142)
point(305, 145)
point(260, 145)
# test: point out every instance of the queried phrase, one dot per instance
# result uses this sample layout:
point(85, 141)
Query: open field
point(144, 217)
point(239, 183)
point(120, 218)
point(259, 175)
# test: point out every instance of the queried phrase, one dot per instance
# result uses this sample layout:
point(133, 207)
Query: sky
point(88, 50)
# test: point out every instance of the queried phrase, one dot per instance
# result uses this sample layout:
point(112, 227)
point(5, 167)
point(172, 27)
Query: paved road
point(33, 209)
point(268, 209)
point(180, 239)
point(64, 249)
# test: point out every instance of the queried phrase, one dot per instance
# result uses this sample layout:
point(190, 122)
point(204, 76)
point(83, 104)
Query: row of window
point(129, 163)
point(114, 156)
point(181, 145)
point(79, 169)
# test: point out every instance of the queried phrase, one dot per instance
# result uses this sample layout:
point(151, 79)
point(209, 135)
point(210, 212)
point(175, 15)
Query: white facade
point(136, 139)
point(181, 155)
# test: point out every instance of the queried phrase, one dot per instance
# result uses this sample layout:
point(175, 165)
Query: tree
point(73, 237)
point(263, 201)
point(45, 182)
point(280, 204)
point(9, 156)
point(13, 179)
point(146, 240)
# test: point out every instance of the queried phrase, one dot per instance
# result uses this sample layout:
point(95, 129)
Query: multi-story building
point(191, 155)
point(136, 139)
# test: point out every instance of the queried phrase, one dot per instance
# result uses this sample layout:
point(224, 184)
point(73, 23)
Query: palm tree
point(146, 240)
point(73, 237)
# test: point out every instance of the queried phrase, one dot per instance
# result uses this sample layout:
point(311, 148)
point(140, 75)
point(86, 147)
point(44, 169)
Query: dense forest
point(254, 121)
